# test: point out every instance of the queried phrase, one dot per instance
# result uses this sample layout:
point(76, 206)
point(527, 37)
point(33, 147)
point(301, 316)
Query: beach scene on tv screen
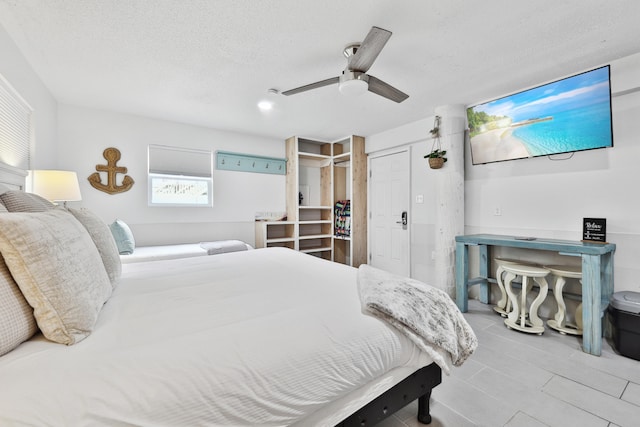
point(568, 115)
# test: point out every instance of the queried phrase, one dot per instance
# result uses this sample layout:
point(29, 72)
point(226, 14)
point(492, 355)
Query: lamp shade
point(56, 185)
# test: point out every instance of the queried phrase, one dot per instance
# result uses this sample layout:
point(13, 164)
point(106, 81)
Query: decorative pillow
point(123, 236)
point(58, 269)
point(104, 241)
point(19, 201)
point(17, 323)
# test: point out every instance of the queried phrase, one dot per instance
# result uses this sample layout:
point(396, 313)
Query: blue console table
point(597, 276)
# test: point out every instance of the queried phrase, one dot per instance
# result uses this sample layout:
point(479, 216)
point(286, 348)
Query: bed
point(184, 250)
point(268, 337)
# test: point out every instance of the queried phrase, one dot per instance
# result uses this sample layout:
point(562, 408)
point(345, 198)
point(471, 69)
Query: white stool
point(562, 273)
point(503, 305)
point(517, 318)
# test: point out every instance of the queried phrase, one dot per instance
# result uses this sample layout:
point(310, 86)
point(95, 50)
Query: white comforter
point(263, 337)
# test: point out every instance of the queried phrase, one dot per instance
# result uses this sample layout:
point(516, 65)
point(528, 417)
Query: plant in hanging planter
point(437, 155)
point(436, 158)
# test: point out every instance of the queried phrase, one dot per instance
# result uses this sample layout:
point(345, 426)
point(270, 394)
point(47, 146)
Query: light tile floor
point(519, 380)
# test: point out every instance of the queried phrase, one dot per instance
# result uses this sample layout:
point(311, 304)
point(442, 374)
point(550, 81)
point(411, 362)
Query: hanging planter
point(437, 155)
point(436, 162)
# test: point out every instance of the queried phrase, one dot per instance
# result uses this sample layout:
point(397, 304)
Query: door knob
point(403, 221)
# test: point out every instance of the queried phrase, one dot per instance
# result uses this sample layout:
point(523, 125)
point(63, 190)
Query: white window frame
point(175, 168)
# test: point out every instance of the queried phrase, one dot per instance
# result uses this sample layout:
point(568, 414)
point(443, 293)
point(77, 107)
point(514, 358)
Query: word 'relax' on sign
point(594, 230)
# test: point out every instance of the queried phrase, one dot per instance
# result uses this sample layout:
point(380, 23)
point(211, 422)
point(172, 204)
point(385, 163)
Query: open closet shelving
point(275, 233)
point(319, 174)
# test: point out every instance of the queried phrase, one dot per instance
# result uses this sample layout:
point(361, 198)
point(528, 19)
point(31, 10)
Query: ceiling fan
point(354, 78)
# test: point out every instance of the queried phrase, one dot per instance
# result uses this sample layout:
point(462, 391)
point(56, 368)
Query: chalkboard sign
point(594, 230)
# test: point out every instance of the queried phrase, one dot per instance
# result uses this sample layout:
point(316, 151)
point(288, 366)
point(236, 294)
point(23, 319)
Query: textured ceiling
point(208, 62)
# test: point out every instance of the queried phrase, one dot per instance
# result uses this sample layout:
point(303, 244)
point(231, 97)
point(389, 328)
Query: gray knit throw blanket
point(426, 315)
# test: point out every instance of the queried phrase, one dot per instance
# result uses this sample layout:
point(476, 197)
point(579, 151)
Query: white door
point(388, 205)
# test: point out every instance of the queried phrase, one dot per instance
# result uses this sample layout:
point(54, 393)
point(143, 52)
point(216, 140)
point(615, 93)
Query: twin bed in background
point(267, 337)
point(130, 252)
point(185, 250)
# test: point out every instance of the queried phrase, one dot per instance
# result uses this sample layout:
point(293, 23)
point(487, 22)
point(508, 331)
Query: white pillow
point(19, 201)
point(58, 269)
point(16, 316)
point(104, 241)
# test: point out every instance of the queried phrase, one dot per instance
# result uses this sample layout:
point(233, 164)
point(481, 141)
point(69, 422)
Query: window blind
point(179, 161)
point(15, 127)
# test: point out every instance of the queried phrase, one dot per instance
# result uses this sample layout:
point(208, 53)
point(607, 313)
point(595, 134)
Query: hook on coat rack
point(239, 162)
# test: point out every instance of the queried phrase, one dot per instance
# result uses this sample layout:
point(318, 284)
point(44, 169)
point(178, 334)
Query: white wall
point(84, 134)
point(538, 196)
point(17, 71)
point(422, 215)
point(74, 138)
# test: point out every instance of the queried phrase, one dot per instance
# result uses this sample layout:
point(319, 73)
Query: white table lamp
point(56, 185)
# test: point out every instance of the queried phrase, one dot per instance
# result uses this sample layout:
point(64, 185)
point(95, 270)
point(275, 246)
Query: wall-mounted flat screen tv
point(568, 115)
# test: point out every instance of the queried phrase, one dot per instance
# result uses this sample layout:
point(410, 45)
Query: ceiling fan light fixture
point(354, 80)
point(353, 83)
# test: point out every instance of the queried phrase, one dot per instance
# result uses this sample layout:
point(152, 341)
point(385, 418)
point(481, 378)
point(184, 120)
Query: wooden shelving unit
point(275, 233)
point(350, 183)
point(324, 172)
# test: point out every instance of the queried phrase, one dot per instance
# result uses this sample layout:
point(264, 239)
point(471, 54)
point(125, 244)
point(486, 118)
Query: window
point(180, 176)
point(15, 127)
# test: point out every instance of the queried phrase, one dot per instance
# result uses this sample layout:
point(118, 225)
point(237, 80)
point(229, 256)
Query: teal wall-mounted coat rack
point(248, 163)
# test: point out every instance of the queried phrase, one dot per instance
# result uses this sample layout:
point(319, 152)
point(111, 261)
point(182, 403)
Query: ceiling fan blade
point(369, 50)
point(381, 88)
point(315, 85)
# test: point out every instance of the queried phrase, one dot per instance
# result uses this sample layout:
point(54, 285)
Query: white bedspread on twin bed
point(184, 250)
point(265, 337)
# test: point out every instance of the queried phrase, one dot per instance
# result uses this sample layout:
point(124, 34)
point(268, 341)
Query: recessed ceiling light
point(267, 104)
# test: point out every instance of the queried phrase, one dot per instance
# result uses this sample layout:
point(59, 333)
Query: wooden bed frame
point(416, 386)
